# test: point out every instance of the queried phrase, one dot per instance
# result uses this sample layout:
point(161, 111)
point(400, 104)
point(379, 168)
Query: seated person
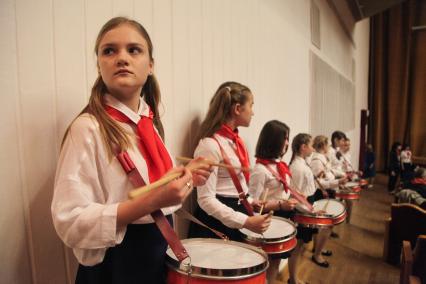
point(418, 183)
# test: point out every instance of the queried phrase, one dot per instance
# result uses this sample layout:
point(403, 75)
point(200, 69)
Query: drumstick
point(162, 181)
point(265, 194)
point(212, 163)
point(325, 206)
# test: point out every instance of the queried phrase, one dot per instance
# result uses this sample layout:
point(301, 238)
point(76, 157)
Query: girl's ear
point(151, 66)
point(236, 109)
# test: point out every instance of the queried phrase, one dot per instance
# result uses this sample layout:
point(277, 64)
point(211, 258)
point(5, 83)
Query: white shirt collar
point(135, 117)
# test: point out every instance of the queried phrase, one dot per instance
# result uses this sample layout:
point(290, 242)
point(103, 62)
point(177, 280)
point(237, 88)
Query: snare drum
point(354, 186)
point(335, 214)
point(280, 237)
point(363, 183)
point(216, 261)
point(347, 194)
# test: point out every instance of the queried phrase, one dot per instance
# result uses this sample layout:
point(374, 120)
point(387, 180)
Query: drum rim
point(214, 273)
point(273, 240)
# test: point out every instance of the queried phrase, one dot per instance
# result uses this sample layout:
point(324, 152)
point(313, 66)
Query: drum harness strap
point(241, 194)
point(160, 220)
point(293, 192)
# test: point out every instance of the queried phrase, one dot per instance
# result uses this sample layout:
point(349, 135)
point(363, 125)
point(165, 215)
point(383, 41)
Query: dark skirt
point(197, 231)
point(140, 258)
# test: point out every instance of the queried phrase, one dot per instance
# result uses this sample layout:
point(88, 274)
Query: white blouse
point(319, 163)
point(261, 178)
point(336, 164)
point(302, 176)
point(347, 163)
point(220, 182)
point(88, 187)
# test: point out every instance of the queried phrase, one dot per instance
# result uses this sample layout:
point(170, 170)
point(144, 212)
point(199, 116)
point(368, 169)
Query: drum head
point(279, 229)
point(351, 184)
point(213, 258)
point(333, 207)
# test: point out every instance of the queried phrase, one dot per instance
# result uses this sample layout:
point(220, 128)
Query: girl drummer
point(303, 180)
point(271, 147)
point(334, 154)
point(321, 168)
point(114, 239)
point(220, 204)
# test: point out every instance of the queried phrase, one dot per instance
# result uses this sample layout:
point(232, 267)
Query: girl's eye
point(108, 51)
point(135, 50)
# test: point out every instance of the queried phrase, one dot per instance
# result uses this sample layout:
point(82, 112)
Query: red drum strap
point(236, 181)
point(158, 216)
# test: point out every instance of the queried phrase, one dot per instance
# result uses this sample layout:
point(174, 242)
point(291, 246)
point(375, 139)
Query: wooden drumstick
point(212, 163)
point(265, 194)
point(162, 181)
point(325, 205)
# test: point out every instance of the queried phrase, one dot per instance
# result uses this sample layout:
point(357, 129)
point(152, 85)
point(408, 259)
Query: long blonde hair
point(227, 95)
point(112, 133)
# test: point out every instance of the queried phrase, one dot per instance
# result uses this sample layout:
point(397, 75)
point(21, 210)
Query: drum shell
point(319, 221)
point(311, 221)
point(175, 277)
point(276, 245)
point(200, 275)
point(347, 195)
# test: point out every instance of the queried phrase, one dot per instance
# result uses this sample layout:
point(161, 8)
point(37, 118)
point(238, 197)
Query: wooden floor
point(357, 254)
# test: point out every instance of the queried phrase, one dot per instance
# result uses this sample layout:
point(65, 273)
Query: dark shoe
point(325, 252)
point(324, 264)
point(334, 235)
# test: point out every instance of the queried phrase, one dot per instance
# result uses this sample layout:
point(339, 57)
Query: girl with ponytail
point(117, 139)
point(221, 206)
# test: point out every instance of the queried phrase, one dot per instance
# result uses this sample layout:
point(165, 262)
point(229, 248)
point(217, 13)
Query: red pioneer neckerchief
point(283, 170)
point(240, 150)
point(150, 145)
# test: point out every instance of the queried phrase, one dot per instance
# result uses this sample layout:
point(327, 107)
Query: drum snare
point(279, 238)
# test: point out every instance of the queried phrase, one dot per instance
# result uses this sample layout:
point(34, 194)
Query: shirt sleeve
point(80, 214)
point(257, 182)
point(317, 167)
point(207, 200)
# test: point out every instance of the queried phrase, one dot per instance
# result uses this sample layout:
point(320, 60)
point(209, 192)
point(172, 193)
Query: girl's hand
point(258, 223)
point(176, 191)
point(288, 205)
point(202, 173)
point(343, 180)
point(257, 204)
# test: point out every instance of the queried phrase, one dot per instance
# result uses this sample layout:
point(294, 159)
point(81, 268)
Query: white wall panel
point(38, 131)
point(15, 263)
point(125, 8)
point(96, 14)
point(144, 14)
point(162, 41)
